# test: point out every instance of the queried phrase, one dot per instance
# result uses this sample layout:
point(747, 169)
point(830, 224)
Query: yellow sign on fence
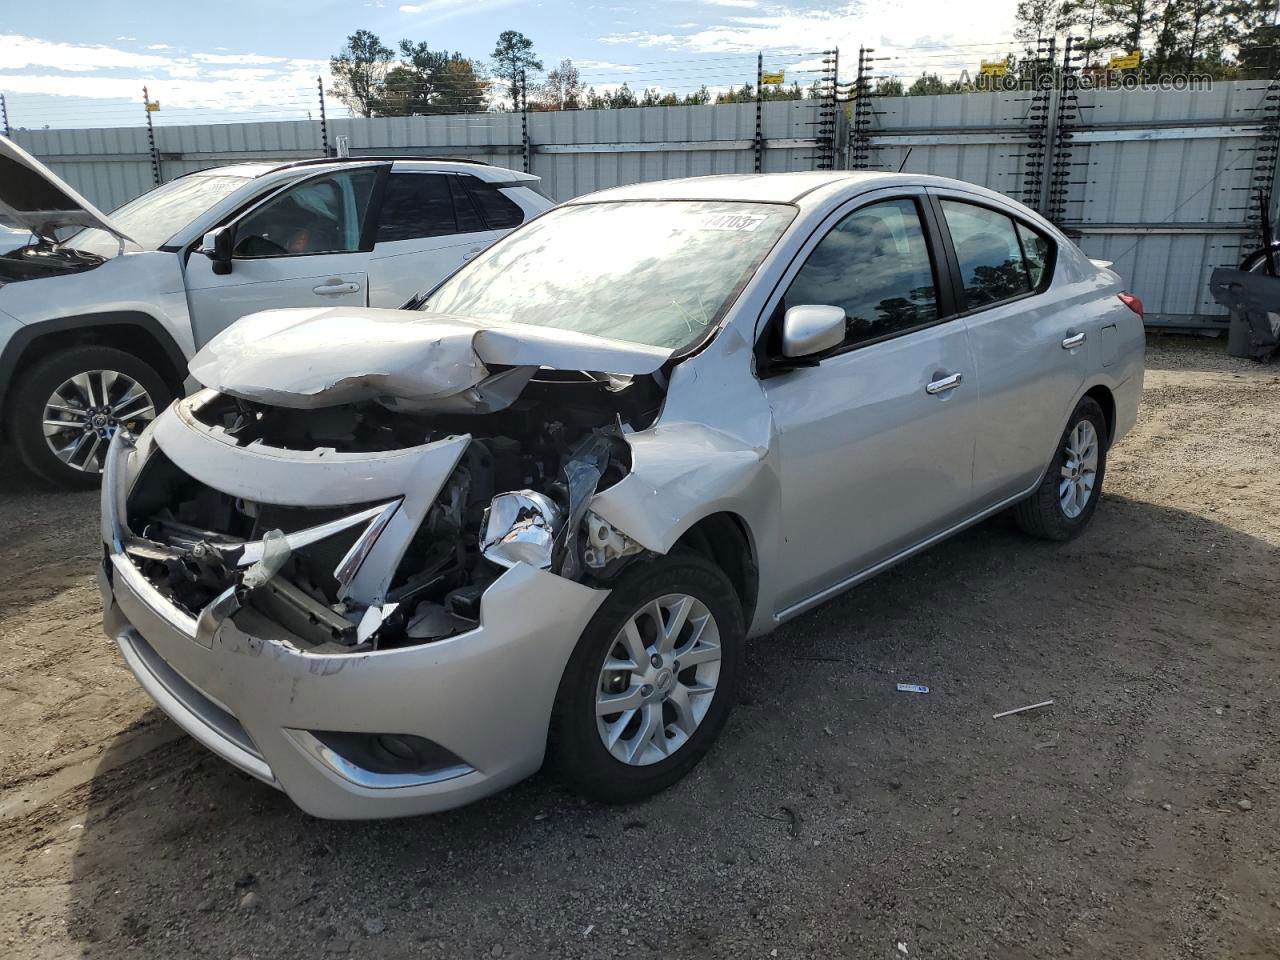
point(153, 106)
point(1125, 61)
point(773, 77)
point(996, 69)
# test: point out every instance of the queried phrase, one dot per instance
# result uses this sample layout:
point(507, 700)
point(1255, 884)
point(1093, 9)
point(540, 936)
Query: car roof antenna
point(905, 158)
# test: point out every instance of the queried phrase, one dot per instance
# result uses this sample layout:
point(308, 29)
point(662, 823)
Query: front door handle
point(333, 288)
point(1073, 341)
point(942, 385)
point(471, 253)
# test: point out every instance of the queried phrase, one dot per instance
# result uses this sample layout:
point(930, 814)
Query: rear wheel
point(1067, 496)
point(67, 407)
point(651, 682)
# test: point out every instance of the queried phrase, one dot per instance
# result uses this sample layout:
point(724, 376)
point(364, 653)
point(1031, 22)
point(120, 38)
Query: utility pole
point(4, 116)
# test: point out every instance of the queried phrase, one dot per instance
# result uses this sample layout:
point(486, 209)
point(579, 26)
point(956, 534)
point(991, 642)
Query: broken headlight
point(521, 526)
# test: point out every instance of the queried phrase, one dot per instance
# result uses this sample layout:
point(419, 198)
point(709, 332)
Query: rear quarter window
point(500, 212)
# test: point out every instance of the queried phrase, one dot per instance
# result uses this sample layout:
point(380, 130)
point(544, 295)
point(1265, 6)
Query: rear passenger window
point(874, 264)
point(500, 212)
point(992, 267)
point(1035, 249)
point(416, 205)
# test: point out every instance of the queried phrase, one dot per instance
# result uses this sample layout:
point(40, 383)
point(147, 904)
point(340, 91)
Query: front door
point(306, 246)
point(876, 442)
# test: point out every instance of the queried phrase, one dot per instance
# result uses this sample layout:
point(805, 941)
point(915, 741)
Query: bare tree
point(562, 90)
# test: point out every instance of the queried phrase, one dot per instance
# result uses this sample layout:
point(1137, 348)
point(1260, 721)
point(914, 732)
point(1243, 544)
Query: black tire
point(575, 750)
point(1042, 514)
point(25, 420)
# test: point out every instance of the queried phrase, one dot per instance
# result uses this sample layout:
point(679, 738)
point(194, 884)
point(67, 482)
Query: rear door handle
point(943, 385)
point(471, 253)
point(333, 288)
point(1073, 341)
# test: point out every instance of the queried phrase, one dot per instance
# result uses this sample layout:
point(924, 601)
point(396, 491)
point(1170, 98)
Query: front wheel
point(651, 682)
point(66, 408)
point(1065, 500)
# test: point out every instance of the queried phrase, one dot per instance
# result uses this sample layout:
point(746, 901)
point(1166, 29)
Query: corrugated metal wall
point(1162, 188)
point(1158, 183)
point(575, 152)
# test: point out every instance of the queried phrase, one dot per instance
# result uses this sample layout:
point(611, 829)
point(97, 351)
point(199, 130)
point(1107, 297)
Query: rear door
point(1030, 348)
point(428, 227)
point(306, 245)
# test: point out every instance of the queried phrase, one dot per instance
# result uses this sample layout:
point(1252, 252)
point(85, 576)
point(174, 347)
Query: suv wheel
point(67, 407)
point(1065, 500)
point(651, 682)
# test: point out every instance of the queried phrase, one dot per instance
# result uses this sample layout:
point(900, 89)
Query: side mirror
point(216, 245)
point(811, 328)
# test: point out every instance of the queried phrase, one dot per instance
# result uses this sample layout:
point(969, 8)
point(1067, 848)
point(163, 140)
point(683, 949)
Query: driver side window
point(321, 215)
point(874, 264)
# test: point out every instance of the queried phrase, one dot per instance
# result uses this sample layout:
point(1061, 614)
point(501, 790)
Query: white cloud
point(597, 65)
point(159, 46)
point(904, 28)
point(638, 38)
point(737, 4)
point(219, 81)
point(242, 58)
point(21, 53)
point(437, 11)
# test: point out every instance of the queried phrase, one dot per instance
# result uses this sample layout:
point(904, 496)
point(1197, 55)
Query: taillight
point(1132, 302)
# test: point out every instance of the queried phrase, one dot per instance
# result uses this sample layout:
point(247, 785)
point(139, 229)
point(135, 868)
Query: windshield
point(156, 216)
point(654, 272)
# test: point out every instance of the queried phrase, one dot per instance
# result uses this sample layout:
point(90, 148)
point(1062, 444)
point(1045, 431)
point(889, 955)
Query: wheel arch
point(1101, 394)
point(725, 539)
point(138, 333)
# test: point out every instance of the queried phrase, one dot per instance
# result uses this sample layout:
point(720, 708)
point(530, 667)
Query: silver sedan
point(390, 561)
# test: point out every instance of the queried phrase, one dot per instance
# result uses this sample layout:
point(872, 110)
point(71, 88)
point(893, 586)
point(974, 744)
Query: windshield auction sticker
point(736, 222)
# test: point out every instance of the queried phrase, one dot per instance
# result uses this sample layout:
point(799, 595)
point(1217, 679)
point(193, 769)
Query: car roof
point(806, 188)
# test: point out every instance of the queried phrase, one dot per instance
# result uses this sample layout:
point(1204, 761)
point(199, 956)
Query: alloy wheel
point(658, 679)
point(84, 412)
point(1079, 469)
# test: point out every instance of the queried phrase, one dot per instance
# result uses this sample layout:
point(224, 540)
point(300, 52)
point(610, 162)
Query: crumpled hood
point(406, 359)
point(33, 197)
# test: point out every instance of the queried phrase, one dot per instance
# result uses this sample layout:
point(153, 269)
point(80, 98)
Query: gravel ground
point(1138, 817)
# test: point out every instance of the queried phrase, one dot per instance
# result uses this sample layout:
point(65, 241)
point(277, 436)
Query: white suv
point(96, 329)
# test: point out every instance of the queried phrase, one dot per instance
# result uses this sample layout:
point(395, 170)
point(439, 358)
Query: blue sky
point(80, 63)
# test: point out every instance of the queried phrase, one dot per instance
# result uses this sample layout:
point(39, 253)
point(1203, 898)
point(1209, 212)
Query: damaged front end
point(374, 524)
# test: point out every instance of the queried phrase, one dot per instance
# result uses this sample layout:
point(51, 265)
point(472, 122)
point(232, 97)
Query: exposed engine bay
point(519, 492)
point(43, 259)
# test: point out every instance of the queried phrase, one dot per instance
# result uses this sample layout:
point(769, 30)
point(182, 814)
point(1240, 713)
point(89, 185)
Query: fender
point(28, 333)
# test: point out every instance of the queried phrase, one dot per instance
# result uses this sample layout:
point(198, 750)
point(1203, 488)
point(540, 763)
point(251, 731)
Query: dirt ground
point(1139, 817)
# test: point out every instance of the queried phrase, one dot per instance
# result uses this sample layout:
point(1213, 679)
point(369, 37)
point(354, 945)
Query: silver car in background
point(390, 560)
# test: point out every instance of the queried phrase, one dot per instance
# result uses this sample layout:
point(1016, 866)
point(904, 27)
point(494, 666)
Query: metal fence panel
point(1163, 189)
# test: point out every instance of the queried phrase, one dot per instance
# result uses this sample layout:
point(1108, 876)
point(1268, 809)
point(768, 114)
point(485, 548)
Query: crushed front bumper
point(485, 696)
